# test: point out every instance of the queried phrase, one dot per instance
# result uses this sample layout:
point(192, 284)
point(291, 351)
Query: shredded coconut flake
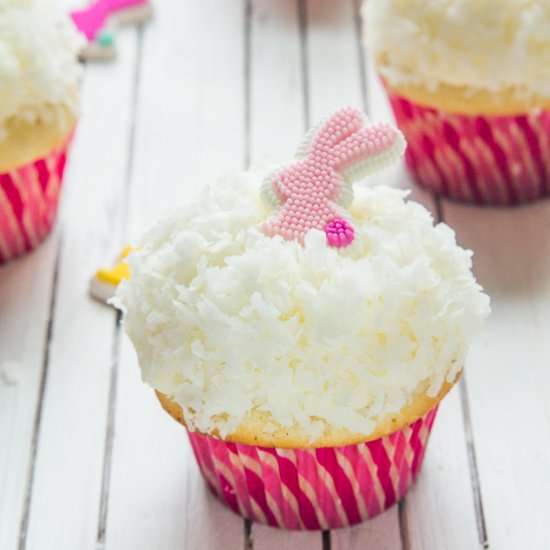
point(226, 320)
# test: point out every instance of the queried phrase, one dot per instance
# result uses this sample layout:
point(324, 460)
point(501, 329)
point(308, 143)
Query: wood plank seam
point(468, 430)
point(248, 541)
point(358, 23)
point(247, 79)
point(248, 535)
point(118, 333)
point(403, 524)
point(140, 38)
point(302, 20)
point(472, 463)
point(24, 525)
point(438, 207)
point(109, 436)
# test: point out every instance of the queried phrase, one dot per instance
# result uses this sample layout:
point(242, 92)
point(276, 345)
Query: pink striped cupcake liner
point(324, 488)
point(486, 160)
point(29, 197)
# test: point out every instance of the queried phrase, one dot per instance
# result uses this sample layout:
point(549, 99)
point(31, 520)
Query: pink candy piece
point(91, 20)
point(311, 193)
point(339, 232)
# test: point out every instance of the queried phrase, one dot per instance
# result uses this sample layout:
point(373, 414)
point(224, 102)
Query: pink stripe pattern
point(485, 160)
point(29, 196)
point(322, 488)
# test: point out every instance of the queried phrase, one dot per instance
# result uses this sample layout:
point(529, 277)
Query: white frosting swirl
point(226, 320)
point(493, 45)
point(39, 71)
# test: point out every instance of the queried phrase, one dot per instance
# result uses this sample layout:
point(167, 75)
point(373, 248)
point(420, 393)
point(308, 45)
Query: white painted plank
point(191, 105)
point(439, 510)
point(378, 533)
point(277, 115)
point(158, 498)
point(332, 57)
point(67, 483)
point(272, 538)
point(25, 293)
point(189, 128)
point(508, 374)
point(379, 110)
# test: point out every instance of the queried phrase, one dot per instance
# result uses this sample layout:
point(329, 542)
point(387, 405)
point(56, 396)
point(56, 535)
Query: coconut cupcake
point(39, 77)
point(304, 332)
point(468, 83)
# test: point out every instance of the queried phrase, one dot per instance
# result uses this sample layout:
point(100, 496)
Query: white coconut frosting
point(494, 45)
point(39, 71)
point(226, 320)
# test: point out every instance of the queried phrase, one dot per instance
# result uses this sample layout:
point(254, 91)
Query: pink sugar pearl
point(339, 232)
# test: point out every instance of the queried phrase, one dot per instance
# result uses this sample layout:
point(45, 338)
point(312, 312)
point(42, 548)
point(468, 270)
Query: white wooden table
point(87, 457)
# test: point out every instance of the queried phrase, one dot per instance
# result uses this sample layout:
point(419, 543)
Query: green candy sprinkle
point(106, 39)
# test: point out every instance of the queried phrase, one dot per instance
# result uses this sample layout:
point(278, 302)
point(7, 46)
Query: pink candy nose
point(339, 232)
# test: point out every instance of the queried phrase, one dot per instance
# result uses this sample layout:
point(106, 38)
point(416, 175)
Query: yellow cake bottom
point(27, 142)
point(466, 101)
point(251, 430)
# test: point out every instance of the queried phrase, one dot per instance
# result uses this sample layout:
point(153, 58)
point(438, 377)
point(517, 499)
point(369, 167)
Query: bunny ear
point(301, 152)
point(332, 130)
point(377, 147)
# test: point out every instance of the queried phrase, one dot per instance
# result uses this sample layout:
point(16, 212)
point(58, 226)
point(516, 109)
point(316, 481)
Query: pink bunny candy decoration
point(312, 193)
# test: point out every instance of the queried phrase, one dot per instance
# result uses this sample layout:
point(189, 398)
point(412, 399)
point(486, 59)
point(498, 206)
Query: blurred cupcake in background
point(469, 85)
point(39, 102)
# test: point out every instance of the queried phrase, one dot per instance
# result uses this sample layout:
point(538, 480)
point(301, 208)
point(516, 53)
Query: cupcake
point(304, 332)
point(468, 83)
point(39, 76)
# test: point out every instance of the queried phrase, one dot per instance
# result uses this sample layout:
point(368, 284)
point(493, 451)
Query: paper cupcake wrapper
point(323, 488)
point(29, 197)
point(488, 160)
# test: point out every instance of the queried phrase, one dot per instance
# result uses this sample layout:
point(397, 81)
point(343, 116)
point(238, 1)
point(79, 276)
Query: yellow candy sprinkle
point(115, 274)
